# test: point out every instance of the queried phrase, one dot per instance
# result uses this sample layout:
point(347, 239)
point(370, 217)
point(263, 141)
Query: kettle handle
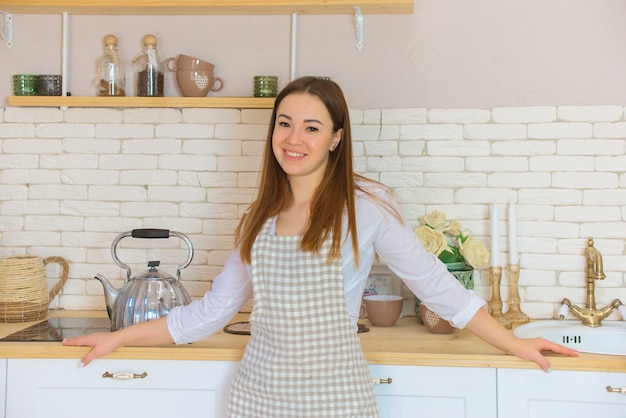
point(151, 233)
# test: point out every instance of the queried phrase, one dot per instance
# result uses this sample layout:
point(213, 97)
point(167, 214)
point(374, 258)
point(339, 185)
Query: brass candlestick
point(515, 314)
point(495, 304)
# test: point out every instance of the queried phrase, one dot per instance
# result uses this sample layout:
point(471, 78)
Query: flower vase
point(433, 322)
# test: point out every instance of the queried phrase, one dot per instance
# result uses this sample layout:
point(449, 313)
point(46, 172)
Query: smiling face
point(303, 136)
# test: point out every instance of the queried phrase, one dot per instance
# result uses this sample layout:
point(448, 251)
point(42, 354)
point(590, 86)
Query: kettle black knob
point(152, 264)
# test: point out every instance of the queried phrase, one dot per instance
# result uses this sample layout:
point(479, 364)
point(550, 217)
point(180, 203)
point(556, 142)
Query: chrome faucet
point(594, 270)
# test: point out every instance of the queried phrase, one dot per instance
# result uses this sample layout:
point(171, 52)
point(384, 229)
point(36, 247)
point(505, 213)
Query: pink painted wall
point(448, 53)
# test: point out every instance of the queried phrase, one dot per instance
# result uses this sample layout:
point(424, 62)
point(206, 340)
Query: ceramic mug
point(198, 83)
point(383, 310)
point(433, 322)
point(188, 63)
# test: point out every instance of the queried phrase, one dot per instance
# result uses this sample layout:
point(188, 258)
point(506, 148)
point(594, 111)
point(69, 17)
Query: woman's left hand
point(490, 330)
point(531, 349)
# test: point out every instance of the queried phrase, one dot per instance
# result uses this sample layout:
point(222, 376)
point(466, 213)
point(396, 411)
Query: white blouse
point(379, 232)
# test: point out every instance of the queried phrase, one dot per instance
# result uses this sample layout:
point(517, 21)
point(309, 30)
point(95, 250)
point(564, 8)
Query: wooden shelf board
point(87, 101)
point(206, 7)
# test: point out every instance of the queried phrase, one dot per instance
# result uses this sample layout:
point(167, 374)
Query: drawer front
point(58, 388)
point(435, 392)
point(535, 394)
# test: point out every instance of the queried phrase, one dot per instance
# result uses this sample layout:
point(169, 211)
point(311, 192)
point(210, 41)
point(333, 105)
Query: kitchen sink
point(610, 338)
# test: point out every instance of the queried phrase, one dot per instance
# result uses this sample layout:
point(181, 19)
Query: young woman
point(304, 249)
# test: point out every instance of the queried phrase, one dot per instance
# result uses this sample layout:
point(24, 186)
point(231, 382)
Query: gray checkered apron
point(304, 357)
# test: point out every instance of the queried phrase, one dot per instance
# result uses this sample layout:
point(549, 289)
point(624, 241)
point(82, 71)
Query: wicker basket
point(24, 294)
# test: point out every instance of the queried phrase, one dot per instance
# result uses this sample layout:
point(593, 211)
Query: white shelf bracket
point(294, 46)
point(358, 21)
point(64, 55)
point(6, 29)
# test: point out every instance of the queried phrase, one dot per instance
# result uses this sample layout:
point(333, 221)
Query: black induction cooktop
point(56, 329)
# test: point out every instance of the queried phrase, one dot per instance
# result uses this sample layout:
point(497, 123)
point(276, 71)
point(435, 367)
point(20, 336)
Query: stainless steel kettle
point(150, 295)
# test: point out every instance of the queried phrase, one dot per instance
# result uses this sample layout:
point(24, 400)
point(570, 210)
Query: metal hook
point(6, 30)
point(359, 27)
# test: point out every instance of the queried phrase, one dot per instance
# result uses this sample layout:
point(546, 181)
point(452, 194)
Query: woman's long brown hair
point(335, 193)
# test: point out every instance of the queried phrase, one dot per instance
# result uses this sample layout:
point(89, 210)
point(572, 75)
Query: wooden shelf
point(198, 102)
point(184, 7)
point(206, 7)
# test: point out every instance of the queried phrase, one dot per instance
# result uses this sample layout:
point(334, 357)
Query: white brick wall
point(71, 180)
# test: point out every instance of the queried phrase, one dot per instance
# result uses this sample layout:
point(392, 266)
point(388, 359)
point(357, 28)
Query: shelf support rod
point(6, 31)
point(294, 47)
point(64, 57)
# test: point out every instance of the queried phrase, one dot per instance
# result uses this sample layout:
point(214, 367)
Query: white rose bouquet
point(449, 243)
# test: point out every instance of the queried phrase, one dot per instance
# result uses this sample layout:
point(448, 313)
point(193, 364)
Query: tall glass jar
point(111, 72)
point(150, 78)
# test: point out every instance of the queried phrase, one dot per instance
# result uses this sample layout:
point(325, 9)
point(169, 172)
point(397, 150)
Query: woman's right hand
point(148, 333)
point(101, 343)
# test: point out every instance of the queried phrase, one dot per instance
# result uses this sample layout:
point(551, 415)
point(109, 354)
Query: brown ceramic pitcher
point(24, 294)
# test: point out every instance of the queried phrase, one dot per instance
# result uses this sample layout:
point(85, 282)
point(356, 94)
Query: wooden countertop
point(406, 343)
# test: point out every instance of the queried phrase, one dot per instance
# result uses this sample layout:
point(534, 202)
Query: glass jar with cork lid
point(150, 78)
point(111, 70)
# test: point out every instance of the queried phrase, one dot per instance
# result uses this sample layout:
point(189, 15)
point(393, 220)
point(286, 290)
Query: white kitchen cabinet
point(3, 385)
point(436, 392)
point(57, 388)
point(572, 394)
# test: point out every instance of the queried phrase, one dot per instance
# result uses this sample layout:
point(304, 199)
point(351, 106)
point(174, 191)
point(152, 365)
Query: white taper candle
point(513, 259)
point(495, 244)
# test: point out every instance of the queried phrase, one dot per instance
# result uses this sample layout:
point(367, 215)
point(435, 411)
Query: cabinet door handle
point(125, 375)
point(379, 381)
point(616, 390)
